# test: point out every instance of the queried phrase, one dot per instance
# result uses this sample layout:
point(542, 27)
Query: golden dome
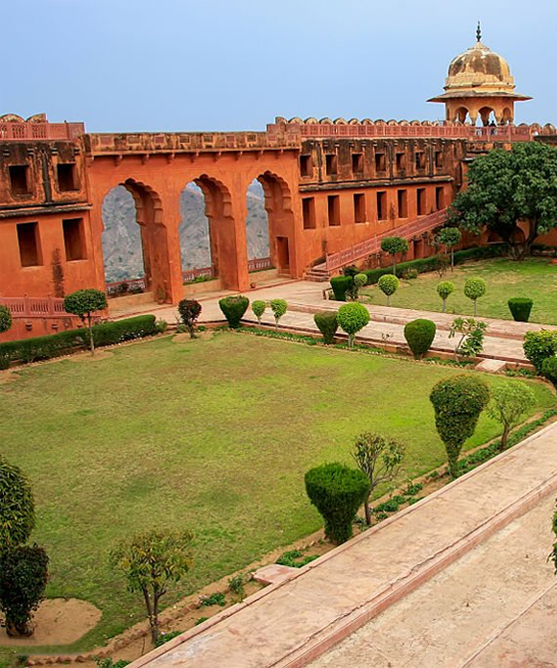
point(479, 68)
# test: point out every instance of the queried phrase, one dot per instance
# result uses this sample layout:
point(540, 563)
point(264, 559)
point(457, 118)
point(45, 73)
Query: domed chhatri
point(479, 83)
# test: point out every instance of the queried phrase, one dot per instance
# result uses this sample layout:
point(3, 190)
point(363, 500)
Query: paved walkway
point(296, 621)
point(503, 340)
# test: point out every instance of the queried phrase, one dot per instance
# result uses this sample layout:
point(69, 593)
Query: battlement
point(37, 128)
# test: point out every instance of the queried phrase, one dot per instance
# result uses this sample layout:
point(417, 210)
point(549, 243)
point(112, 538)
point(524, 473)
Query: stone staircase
point(317, 273)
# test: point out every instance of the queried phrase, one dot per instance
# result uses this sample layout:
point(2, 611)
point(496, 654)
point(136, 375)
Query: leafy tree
point(419, 335)
point(189, 310)
point(327, 324)
point(84, 303)
point(234, 308)
point(337, 492)
point(279, 308)
point(394, 245)
point(352, 318)
point(458, 403)
point(17, 507)
point(508, 188)
point(444, 289)
point(23, 578)
point(472, 334)
point(388, 284)
point(151, 562)
point(538, 346)
point(449, 237)
point(509, 402)
point(474, 288)
point(5, 319)
point(258, 307)
point(380, 459)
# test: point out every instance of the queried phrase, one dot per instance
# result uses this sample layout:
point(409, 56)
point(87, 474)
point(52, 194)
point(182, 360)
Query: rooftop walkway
point(294, 622)
point(503, 339)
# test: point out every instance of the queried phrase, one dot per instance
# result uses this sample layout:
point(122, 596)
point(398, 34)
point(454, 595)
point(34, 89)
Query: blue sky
point(130, 65)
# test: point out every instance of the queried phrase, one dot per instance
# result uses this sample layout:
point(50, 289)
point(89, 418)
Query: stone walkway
point(503, 340)
point(296, 621)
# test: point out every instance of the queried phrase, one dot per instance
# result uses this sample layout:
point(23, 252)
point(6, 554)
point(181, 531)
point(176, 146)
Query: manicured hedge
point(340, 284)
point(430, 263)
point(55, 345)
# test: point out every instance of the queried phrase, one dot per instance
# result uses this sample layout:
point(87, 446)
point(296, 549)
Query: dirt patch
point(184, 337)
point(86, 356)
point(58, 621)
point(8, 377)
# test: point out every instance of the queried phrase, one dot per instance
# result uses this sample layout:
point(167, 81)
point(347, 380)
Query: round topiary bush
point(549, 370)
point(234, 308)
point(258, 307)
point(444, 289)
point(538, 346)
point(474, 288)
point(279, 308)
point(520, 308)
point(419, 335)
point(337, 492)
point(6, 318)
point(458, 402)
point(189, 310)
point(340, 286)
point(327, 324)
point(388, 285)
point(17, 508)
point(394, 245)
point(352, 318)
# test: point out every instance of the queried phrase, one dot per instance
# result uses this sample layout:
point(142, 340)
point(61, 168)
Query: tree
point(84, 303)
point(458, 403)
point(380, 459)
point(189, 310)
point(538, 346)
point(471, 336)
point(474, 288)
point(234, 308)
point(509, 402)
point(5, 318)
point(444, 289)
point(352, 318)
point(392, 246)
point(337, 492)
point(151, 562)
point(279, 308)
point(17, 507)
point(508, 190)
point(449, 237)
point(258, 307)
point(23, 578)
point(388, 284)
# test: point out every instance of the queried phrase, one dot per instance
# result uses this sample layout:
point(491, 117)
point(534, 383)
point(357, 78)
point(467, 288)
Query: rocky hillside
point(122, 240)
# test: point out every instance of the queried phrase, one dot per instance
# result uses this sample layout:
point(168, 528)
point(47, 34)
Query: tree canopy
point(506, 188)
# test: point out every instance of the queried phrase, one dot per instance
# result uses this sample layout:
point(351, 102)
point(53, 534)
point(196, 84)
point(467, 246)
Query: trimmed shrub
point(189, 310)
point(327, 324)
point(509, 403)
point(474, 288)
point(234, 308)
point(388, 285)
point(6, 318)
point(84, 303)
point(340, 286)
point(17, 508)
point(352, 318)
point(23, 577)
point(394, 245)
point(258, 307)
point(109, 333)
point(538, 346)
point(337, 492)
point(458, 402)
point(419, 335)
point(520, 308)
point(549, 370)
point(444, 289)
point(279, 308)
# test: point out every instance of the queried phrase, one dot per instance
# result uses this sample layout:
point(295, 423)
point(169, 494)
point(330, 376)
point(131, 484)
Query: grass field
point(214, 435)
point(535, 278)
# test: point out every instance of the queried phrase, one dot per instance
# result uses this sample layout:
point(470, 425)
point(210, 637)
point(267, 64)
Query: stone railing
point(35, 307)
point(33, 131)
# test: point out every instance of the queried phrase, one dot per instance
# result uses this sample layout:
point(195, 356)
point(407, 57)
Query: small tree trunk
point(276, 323)
point(367, 510)
point(394, 265)
point(350, 340)
point(452, 259)
point(388, 300)
point(153, 622)
point(91, 340)
point(475, 307)
point(504, 437)
point(444, 305)
point(452, 456)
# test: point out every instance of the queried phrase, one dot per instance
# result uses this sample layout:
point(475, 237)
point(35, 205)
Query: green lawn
point(214, 435)
point(535, 278)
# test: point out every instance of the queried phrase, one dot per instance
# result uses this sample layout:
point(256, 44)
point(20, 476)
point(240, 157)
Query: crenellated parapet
point(37, 128)
point(367, 128)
